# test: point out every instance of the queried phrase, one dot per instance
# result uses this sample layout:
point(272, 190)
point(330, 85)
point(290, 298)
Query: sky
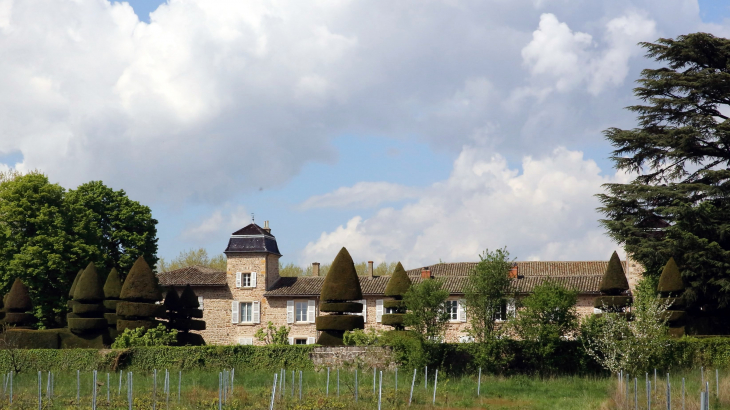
point(419, 131)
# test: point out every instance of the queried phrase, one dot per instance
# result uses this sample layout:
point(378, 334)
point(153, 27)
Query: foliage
point(193, 257)
point(679, 201)
point(340, 285)
point(398, 283)
point(360, 337)
point(18, 305)
point(427, 314)
point(113, 285)
point(48, 235)
point(273, 336)
point(614, 280)
point(486, 293)
point(548, 316)
point(141, 284)
point(670, 280)
point(634, 345)
point(159, 336)
point(89, 287)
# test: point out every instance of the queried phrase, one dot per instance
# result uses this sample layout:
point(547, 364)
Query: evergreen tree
point(112, 291)
point(671, 288)
point(397, 287)
point(341, 286)
point(88, 311)
point(140, 292)
point(18, 306)
point(679, 201)
point(614, 288)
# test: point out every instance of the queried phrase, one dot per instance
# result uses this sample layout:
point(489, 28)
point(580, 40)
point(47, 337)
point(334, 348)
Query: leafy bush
point(427, 314)
point(140, 336)
point(359, 337)
point(273, 336)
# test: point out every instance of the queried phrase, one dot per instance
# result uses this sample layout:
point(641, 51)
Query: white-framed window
point(452, 308)
point(246, 312)
point(300, 341)
point(245, 279)
point(506, 311)
point(301, 309)
point(364, 312)
point(200, 302)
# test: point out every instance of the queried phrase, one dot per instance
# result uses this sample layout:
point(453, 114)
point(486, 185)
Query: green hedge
point(147, 358)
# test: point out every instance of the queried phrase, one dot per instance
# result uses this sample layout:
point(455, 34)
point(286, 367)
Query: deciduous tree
point(486, 292)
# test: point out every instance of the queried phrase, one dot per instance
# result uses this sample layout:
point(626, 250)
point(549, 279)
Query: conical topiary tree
point(614, 288)
point(112, 291)
point(340, 288)
point(87, 314)
point(190, 311)
point(70, 302)
point(671, 288)
point(397, 287)
point(18, 306)
point(139, 294)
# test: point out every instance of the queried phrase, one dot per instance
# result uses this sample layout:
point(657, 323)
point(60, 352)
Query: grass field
point(252, 390)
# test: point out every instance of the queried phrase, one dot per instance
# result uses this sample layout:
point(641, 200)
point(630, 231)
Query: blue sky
point(412, 131)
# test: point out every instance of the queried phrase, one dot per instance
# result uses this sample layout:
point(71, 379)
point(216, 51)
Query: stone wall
point(352, 356)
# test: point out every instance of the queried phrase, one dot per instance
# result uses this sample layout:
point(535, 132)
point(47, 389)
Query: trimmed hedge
point(73, 285)
point(340, 322)
point(148, 358)
point(392, 319)
point(398, 283)
point(137, 309)
point(88, 309)
point(113, 285)
point(141, 284)
point(614, 279)
point(196, 325)
point(394, 304)
point(194, 313)
point(671, 279)
point(84, 324)
point(31, 339)
point(122, 324)
point(111, 305)
point(350, 307)
point(89, 288)
point(19, 319)
point(341, 283)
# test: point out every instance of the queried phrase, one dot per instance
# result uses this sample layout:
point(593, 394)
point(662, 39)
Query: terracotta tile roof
point(194, 276)
point(311, 286)
point(528, 268)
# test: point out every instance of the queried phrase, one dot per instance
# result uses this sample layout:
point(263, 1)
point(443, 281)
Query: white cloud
point(361, 195)
point(546, 210)
point(569, 59)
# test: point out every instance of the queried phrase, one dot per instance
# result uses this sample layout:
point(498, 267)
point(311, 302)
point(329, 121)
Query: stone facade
point(353, 356)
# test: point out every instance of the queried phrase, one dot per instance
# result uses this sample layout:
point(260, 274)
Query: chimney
point(425, 273)
point(315, 268)
point(266, 227)
point(513, 271)
point(370, 269)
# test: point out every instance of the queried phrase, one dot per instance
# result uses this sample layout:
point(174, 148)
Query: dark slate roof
point(252, 239)
point(528, 268)
point(194, 276)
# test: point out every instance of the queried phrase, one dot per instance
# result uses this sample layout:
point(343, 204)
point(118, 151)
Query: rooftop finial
point(252, 218)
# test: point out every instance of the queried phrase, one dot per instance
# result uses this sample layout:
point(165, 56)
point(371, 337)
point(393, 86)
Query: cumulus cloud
point(214, 98)
point(569, 59)
point(220, 224)
point(546, 210)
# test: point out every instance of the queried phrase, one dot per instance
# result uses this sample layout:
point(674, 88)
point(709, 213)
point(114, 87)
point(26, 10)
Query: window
point(390, 310)
point(246, 312)
point(452, 307)
point(300, 341)
point(301, 311)
point(506, 311)
point(246, 280)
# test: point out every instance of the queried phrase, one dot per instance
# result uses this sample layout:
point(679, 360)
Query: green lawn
point(252, 390)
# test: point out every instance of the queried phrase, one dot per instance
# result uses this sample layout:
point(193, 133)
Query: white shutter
point(256, 312)
point(310, 340)
point(597, 311)
point(238, 279)
point(289, 311)
point(200, 302)
point(245, 340)
point(510, 308)
point(291, 340)
point(460, 312)
point(378, 310)
point(234, 311)
point(364, 313)
point(253, 279)
point(310, 311)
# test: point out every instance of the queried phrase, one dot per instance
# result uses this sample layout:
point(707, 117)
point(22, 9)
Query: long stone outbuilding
point(250, 293)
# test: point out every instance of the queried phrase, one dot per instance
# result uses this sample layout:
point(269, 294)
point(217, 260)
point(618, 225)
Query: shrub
point(427, 314)
point(139, 288)
point(18, 305)
point(158, 336)
point(397, 287)
point(360, 337)
point(88, 311)
point(671, 284)
point(614, 280)
point(273, 336)
point(341, 285)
